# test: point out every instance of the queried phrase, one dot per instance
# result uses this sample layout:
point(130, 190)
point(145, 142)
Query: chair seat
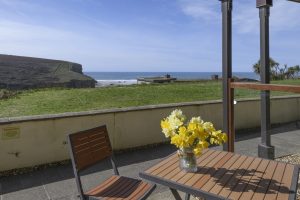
point(120, 187)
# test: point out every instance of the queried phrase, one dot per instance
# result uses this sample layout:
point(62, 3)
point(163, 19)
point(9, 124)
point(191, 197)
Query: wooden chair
point(92, 146)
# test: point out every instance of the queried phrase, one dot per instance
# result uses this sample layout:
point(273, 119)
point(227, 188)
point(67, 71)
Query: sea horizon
point(178, 75)
point(130, 78)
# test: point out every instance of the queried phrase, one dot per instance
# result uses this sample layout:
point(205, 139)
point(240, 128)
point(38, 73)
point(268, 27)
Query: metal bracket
point(229, 4)
point(264, 3)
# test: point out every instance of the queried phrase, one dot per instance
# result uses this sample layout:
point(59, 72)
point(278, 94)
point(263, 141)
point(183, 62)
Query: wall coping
point(9, 120)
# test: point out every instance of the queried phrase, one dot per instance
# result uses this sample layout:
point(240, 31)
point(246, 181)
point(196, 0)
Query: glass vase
point(187, 160)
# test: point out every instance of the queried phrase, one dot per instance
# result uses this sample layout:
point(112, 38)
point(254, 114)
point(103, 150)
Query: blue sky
point(144, 35)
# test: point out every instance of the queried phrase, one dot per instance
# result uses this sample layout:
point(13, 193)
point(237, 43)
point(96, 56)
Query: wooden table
point(225, 175)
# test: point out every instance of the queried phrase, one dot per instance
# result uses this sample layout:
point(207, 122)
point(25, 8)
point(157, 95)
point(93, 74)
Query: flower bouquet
point(190, 137)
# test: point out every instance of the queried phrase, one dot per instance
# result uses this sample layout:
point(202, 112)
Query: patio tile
point(61, 189)
point(10, 184)
point(66, 171)
point(69, 197)
point(51, 175)
point(31, 180)
point(35, 193)
point(166, 195)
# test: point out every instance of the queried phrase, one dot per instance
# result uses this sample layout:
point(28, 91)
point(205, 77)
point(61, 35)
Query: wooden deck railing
point(254, 86)
point(271, 87)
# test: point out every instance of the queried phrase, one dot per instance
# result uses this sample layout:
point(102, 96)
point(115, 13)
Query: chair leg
point(187, 196)
point(175, 194)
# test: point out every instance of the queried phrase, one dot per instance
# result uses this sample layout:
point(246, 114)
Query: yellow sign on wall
point(11, 133)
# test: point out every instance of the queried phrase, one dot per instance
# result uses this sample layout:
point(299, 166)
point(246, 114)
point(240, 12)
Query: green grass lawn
point(49, 101)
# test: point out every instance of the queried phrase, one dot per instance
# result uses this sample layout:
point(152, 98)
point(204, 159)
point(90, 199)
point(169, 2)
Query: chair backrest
point(89, 147)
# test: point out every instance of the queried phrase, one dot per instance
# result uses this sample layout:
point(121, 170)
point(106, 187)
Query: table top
point(225, 175)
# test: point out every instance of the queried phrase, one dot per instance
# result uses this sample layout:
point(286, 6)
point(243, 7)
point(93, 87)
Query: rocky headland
point(18, 72)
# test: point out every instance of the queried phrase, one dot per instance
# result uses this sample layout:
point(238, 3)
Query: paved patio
point(57, 183)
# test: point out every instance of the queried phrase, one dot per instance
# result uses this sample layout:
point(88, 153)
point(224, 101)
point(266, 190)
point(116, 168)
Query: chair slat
point(139, 191)
point(125, 189)
point(90, 146)
point(103, 186)
point(120, 188)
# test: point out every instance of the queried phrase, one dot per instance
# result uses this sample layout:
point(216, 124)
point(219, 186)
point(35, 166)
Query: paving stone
point(31, 180)
point(35, 193)
point(10, 184)
point(69, 197)
point(61, 189)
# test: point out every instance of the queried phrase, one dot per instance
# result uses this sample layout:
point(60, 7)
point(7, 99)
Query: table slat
point(166, 165)
point(239, 188)
point(157, 166)
point(236, 177)
point(286, 182)
point(255, 179)
point(227, 175)
point(211, 163)
point(190, 175)
point(275, 183)
point(264, 184)
point(175, 166)
point(203, 163)
point(212, 182)
point(212, 171)
point(217, 188)
point(202, 170)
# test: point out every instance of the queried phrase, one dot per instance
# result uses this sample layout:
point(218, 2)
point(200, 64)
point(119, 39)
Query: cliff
point(17, 72)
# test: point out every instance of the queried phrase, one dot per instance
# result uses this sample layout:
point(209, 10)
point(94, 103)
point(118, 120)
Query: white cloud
point(16, 31)
point(283, 17)
point(199, 9)
point(245, 17)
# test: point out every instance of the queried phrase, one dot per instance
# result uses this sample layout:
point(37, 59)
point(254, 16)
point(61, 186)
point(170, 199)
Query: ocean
point(128, 78)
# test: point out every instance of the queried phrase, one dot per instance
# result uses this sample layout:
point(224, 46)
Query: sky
point(145, 35)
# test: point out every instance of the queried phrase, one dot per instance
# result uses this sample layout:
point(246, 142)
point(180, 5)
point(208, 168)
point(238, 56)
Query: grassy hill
point(50, 101)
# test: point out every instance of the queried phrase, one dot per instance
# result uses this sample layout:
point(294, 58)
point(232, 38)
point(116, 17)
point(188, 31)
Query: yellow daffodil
point(197, 151)
point(196, 134)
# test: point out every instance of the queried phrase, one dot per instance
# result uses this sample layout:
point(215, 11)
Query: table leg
point(187, 196)
point(175, 194)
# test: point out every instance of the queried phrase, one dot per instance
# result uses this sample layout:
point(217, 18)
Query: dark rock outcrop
point(17, 72)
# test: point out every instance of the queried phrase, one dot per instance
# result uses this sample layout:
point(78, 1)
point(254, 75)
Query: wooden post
point(227, 70)
point(265, 150)
point(231, 129)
